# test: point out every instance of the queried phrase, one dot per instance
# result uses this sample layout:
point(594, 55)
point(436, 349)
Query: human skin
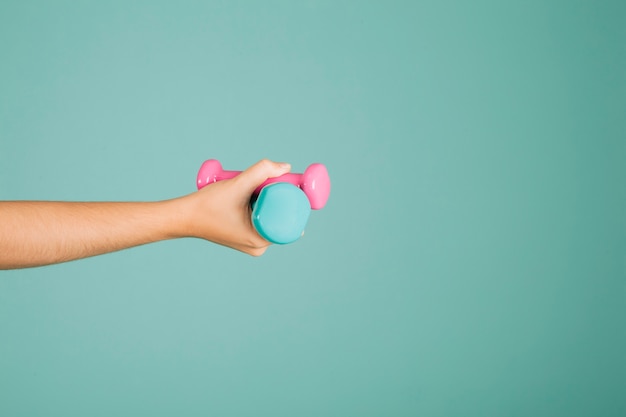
point(37, 233)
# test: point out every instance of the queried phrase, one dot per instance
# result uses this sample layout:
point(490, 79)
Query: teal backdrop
point(471, 260)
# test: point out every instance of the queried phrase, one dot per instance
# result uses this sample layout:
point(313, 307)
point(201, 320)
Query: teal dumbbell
point(280, 212)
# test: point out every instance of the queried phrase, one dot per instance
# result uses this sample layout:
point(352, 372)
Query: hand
point(221, 212)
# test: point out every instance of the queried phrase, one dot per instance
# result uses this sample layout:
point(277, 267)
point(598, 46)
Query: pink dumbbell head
point(314, 181)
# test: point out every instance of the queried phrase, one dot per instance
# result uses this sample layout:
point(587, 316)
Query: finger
point(254, 176)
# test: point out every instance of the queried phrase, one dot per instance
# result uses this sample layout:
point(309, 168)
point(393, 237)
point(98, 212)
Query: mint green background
point(471, 260)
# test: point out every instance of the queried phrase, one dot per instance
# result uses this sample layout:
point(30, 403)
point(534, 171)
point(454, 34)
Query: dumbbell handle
point(227, 175)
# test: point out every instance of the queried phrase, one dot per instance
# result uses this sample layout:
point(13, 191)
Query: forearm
point(34, 233)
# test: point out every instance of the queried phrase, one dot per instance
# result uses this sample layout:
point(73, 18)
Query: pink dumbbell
point(314, 181)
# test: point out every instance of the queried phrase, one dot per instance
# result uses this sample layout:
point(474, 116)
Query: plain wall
point(471, 260)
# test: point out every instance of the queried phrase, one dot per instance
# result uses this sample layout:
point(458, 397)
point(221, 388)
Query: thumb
point(254, 176)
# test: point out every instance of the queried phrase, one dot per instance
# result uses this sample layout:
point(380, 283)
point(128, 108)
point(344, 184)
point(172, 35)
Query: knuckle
point(256, 252)
point(256, 246)
point(265, 163)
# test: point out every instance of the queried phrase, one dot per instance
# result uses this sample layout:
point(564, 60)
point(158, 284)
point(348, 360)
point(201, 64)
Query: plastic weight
point(280, 213)
point(282, 205)
point(315, 181)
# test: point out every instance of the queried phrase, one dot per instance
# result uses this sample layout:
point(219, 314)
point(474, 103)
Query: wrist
point(178, 217)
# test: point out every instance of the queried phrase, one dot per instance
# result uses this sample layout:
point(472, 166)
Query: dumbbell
point(315, 181)
point(283, 204)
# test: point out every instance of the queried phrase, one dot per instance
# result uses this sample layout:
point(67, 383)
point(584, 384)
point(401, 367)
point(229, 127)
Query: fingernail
point(285, 165)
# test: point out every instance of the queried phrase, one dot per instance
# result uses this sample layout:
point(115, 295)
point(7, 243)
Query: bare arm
point(35, 233)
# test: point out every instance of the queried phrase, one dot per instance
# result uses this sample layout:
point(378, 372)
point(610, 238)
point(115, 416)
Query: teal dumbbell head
point(281, 212)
